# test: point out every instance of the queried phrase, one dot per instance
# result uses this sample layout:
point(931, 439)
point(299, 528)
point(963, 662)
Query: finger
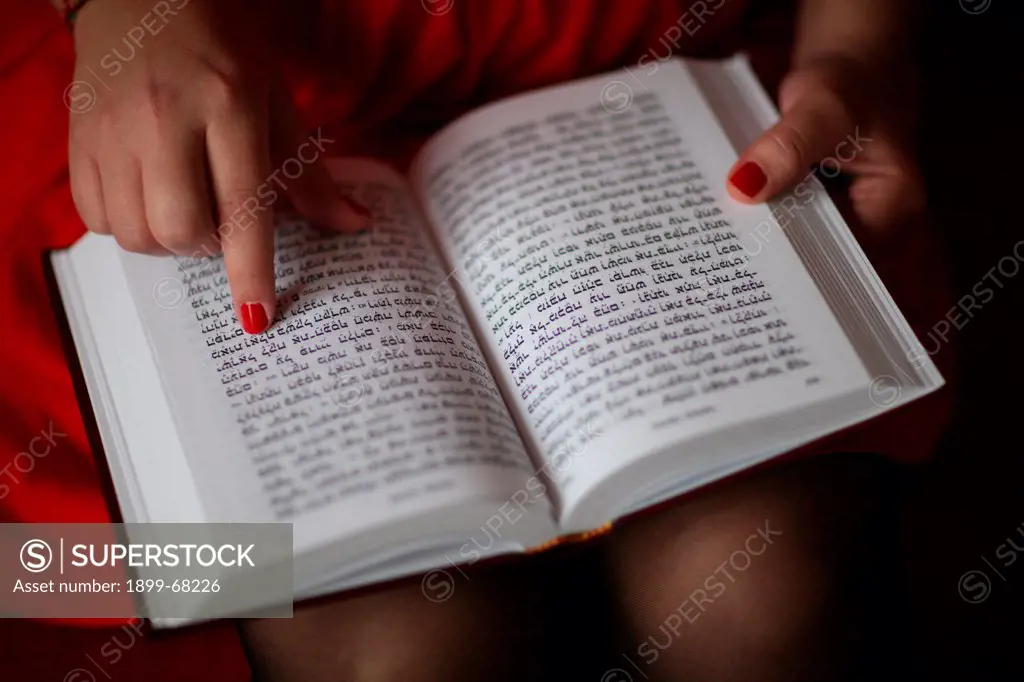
point(123, 201)
point(299, 157)
point(814, 122)
point(237, 145)
point(178, 207)
point(888, 189)
point(87, 192)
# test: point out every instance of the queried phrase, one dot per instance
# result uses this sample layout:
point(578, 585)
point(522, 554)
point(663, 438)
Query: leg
point(756, 578)
point(450, 628)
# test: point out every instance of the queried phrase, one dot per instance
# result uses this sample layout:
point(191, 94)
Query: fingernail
point(749, 179)
point(358, 208)
point(253, 317)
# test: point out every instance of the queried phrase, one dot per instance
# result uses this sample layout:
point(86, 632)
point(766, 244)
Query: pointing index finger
point(239, 167)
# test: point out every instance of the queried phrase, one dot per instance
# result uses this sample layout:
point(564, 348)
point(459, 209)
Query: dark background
point(971, 498)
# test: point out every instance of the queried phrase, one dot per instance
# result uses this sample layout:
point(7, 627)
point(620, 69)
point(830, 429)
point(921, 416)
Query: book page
point(367, 399)
point(627, 295)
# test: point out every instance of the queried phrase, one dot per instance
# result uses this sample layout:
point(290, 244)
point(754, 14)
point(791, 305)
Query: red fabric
point(356, 68)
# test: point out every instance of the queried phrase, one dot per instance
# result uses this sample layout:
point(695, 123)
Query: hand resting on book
point(847, 108)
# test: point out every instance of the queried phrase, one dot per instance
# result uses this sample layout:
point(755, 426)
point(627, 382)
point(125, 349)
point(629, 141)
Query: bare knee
point(400, 633)
point(738, 583)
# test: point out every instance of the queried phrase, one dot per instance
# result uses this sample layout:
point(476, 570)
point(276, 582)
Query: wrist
point(872, 34)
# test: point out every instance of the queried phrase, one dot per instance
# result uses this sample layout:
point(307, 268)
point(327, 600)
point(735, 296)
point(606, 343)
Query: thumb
point(299, 156)
point(815, 120)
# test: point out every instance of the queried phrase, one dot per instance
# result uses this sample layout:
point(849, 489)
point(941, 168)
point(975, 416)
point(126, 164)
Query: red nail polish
point(749, 179)
point(253, 318)
point(358, 208)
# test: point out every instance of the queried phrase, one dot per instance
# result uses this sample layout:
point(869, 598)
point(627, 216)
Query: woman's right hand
point(190, 141)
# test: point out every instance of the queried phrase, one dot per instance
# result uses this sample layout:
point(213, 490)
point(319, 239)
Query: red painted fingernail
point(253, 317)
point(358, 208)
point(749, 179)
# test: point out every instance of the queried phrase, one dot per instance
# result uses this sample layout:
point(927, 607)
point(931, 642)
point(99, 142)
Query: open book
point(559, 318)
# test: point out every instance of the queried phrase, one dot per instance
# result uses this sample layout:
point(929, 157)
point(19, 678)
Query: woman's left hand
point(837, 116)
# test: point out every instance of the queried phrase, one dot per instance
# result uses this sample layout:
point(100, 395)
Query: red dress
point(379, 76)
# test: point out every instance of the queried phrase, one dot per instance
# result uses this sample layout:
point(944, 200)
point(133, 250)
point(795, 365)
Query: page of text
point(368, 396)
point(630, 299)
